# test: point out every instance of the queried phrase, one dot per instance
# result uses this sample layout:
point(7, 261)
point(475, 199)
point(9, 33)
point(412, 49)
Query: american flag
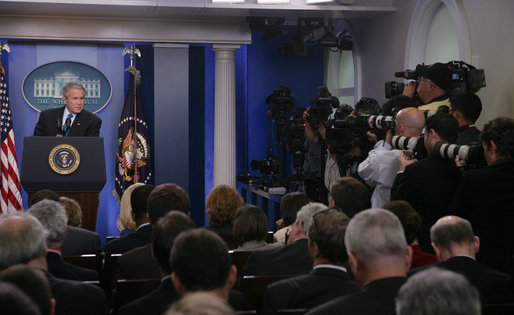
point(10, 200)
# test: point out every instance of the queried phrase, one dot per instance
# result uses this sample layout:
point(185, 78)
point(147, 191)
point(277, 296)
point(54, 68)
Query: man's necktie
point(68, 123)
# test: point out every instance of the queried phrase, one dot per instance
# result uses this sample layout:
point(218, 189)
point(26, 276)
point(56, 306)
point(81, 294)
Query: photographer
point(379, 169)
point(432, 86)
point(429, 185)
point(466, 108)
point(486, 198)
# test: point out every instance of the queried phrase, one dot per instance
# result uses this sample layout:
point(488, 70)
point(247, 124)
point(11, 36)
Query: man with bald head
point(456, 246)
point(380, 167)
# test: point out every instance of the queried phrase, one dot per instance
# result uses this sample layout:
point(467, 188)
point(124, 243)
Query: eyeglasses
point(315, 222)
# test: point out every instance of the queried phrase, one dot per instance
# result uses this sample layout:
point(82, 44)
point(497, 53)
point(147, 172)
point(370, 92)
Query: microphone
point(60, 127)
point(68, 123)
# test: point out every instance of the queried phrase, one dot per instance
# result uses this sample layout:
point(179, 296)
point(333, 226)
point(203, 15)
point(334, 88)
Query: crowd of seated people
point(345, 257)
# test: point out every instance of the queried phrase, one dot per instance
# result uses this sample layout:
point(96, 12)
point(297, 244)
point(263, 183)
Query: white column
point(225, 115)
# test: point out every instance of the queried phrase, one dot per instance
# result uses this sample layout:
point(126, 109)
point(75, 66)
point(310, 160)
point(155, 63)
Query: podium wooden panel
point(88, 201)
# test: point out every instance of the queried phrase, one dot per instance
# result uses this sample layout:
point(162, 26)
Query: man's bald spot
point(449, 219)
point(413, 118)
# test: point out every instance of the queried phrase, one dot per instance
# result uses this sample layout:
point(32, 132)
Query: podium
point(73, 167)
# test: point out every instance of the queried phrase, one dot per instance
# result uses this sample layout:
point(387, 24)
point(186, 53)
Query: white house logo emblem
point(42, 87)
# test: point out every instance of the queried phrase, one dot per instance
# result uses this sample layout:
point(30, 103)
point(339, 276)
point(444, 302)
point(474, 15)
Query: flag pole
point(131, 50)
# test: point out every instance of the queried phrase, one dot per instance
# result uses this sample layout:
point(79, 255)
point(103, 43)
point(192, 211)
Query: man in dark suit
point(429, 185)
point(379, 258)
point(53, 217)
point(466, 108)
point(328, 279)
point(292, 258)
point(456, 245)
point(200, 262)
point(486, 196)
point(165, 231)
point(70, 120)
point(23, 241)
point(78, 241)
point(143, 235)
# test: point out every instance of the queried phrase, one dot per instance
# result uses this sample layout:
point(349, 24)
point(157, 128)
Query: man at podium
point(70, 120)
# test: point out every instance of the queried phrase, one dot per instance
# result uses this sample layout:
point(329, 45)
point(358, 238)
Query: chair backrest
point(127, 291)
point(239, 259)
point(228, 237)
point(498, 309)
point(296, 311)
point(110, 238)
point(269, 237)
point(89, 261)
point(254, 287)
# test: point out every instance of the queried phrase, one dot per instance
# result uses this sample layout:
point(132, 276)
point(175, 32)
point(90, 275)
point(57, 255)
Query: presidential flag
point(133, 163)
point(10, 200)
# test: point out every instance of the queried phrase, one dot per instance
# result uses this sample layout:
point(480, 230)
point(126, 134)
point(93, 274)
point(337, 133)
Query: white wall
point(382, 46)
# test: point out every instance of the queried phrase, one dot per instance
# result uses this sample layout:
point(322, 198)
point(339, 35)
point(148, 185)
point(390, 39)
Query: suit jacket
point(64, 270)
point(75, 297)
point(126, 243)
point(138, 264)
point(156, 302)
point(494, 286)
point(289, 259)
point(486, 199)
point(79, 241)
point(430, 186)
point(85, 124)
point(319, 286)
point(377, 297)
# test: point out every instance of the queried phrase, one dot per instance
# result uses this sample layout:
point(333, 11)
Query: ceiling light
point(272, 1)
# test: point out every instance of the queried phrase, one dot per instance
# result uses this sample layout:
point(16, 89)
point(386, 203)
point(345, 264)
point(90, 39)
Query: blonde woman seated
point(251, 229)
point(126, 223)
point(222, 202)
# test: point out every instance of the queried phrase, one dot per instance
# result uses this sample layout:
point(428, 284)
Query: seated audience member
point(125, 222)
point(78, 241)
point(222, 203)
point(411, 223)
point(349, 195)
point(23, 241)
point(14, 301)
point(485, 196)
point(292, 258)
point(290, 203)
point(73, 211)
point(379, 169)
point(379, 258)
point(139, 262)
point(429, 185)
point(466, 108)
point(200, 262)
point(53, 217)
point(165, 231)
point(251, 229)
point(328, 278)
point(456, 245)
point(436, 291)
point(143, 234)
point(32, 282)
point(200, 303)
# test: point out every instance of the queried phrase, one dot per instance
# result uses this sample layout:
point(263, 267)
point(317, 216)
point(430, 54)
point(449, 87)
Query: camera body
point(324, 103)
point(269, 166)
point(280, 103)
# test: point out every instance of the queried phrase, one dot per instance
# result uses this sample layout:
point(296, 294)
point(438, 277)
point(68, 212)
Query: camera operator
point(466, 108)
point(432, 86)
point(486, 196)
point(379, 169)
point(429, 185)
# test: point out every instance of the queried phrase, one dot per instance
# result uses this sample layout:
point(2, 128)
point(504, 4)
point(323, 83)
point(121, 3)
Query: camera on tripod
point(324, 103)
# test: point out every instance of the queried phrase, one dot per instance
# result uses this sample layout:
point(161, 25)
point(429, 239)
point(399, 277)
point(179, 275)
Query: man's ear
point(476, 244)
point(354, 263)
point(232, 276)
point(408, 257)
point(177, 284)
point(315, 250)
point(331, 202)
point(149, 219)
point(437, 251)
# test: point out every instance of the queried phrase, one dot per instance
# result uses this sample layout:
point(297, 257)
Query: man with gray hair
point(437, 291)
point(53, 217)
point(292, 258)
point(456, 246)
point(70, 120)
point(379, 258)
point(23, 241)
point(328, 278)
